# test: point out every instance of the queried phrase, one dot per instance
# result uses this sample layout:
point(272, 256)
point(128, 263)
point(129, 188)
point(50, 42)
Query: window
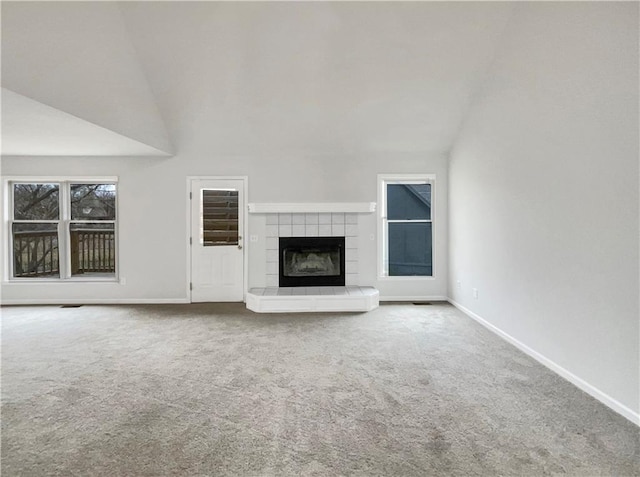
point(406, 220)
point(219, 217)
point(63, 229)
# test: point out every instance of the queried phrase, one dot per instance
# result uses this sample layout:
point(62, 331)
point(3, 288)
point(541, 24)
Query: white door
point(217, 240)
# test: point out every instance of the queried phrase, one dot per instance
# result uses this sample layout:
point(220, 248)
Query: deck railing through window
point(93, 251)
point(36, 253)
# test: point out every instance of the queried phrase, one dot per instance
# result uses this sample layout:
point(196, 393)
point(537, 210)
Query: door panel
point(217, 253)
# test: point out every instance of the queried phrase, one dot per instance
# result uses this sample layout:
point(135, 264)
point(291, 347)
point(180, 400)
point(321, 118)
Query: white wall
point(309, 100)
point(308, 78)
point(151, 243)
point(353, 179)
point(544, 194)
point(153, 215)
point(77, 57)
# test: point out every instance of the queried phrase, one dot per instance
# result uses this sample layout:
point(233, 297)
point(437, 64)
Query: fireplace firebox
point(311, 261)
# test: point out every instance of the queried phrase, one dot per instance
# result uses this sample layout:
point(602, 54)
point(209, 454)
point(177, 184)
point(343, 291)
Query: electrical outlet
point(459, 285)
point(253, 238)
point(475, 293)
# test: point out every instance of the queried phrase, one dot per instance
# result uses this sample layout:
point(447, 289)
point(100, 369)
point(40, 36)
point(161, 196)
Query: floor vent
point(422, 303)
point(70, 306)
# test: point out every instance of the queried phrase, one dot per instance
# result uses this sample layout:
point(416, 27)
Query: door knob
point(239, 247)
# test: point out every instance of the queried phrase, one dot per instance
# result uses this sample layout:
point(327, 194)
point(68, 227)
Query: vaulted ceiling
point(248, 77)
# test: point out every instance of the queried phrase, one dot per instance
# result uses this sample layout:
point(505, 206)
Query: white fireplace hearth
point(312, 299)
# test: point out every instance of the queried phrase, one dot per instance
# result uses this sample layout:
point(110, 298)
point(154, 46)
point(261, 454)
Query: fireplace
point(311, 261)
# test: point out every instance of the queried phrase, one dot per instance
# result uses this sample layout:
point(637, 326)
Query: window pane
point(36, 201)
point(410, 249)
point(93, 249)
point(93, 201)
point(35, 250)
point(409, 201)
point(219, 217)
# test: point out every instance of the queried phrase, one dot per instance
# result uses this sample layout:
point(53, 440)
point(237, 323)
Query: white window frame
point(383, 230)
point(64, 222)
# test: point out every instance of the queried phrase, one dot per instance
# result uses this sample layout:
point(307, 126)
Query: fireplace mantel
point(312, 207)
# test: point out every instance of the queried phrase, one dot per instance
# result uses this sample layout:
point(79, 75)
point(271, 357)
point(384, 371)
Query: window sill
point(405, 278)
point(50, 281)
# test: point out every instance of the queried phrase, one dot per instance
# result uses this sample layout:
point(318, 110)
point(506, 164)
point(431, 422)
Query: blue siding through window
point(410, 243)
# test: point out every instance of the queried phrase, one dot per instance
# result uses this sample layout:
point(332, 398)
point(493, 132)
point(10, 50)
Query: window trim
point(383, 180)
point(63, 221)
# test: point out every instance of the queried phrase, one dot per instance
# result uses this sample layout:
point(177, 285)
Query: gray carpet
point(214, 389)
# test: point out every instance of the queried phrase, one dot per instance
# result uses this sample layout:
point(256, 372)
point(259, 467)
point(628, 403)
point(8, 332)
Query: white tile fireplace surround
point(312, 220)
point(312, 225)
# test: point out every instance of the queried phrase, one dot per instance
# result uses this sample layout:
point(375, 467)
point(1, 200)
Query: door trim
point(245, 222)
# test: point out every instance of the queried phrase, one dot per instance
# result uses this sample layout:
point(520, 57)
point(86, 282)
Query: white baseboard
point(413, 298)
point(604, 398)
point(98, 301)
